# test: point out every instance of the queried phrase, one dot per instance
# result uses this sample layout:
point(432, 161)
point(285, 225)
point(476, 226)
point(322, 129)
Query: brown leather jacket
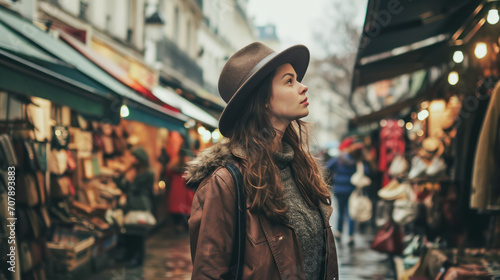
point(272, 250)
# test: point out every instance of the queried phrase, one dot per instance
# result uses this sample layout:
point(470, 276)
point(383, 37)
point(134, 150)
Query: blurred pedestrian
point(342, 168)
point(288, 201)
point(179, 196)
point(138, 192)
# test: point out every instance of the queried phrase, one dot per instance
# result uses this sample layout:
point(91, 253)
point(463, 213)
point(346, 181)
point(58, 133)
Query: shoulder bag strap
point(238, 253)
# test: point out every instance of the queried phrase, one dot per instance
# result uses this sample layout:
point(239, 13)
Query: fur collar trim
point(207, 162)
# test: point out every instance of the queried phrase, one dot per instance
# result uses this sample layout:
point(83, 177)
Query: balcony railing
point(169, 53)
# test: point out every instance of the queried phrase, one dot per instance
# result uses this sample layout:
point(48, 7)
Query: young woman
point(288, 235)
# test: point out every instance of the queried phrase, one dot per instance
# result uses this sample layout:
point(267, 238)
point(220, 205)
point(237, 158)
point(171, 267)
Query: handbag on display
point(119, 141)
point(44, 215)
point(58, 161)
point(97, 144)
point(383, 212)
point(360, 206)
point(41, 155)
point(109, 147)
point(7, 155)
point(40, 183)
point(71, 161)
point(405, 211)
point(433, 210)
point(359, 179)
point(25, 255)
point(84, 144)
point(88, 170)
point(26, 186)
point(26, 156)
point(139, 218)
point(389, 239)
point(398, 167)
point(59, 185)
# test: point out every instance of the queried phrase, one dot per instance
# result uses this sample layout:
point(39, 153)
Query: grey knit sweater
point(307, 221)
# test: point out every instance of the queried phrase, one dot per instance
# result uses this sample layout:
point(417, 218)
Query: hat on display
point(432, 146)
point(394, 190)
point(246, 69)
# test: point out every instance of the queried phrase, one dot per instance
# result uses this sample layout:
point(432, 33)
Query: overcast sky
point(295, 20)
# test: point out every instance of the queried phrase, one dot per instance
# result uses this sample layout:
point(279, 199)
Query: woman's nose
point(304, 89)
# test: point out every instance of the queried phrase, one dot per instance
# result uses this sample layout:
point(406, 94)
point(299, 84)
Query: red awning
point(113, 69)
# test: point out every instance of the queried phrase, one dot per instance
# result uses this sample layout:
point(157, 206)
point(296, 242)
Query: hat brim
point(297, 56)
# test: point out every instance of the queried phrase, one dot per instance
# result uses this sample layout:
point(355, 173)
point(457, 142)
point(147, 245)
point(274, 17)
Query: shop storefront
point(69, 128)
point(437, 212)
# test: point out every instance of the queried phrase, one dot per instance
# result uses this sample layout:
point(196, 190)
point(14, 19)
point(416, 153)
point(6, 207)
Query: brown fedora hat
point(246, 69)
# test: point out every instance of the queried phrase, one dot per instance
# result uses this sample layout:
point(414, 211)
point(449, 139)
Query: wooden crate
point(67, 257)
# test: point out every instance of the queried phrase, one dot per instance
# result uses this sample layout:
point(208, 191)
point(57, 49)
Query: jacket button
point(281, 237)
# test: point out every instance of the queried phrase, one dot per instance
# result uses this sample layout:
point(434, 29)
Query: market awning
point(27, 70)
point(141, 109)
point(404, 36)
point(186, 107)
point(112, 68)
point(394, 110)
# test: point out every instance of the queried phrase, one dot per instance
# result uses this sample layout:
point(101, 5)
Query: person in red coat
point(180, 197)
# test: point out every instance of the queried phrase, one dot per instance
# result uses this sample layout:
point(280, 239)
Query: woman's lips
point(303, 101)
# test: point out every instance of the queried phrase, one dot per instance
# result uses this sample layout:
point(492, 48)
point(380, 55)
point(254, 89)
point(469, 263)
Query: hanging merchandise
point(7, 155)
point(359, 179)
point(398, 167)
point(485, 193)
point(389, 239)
point(405, 209)
point(383, 212)
point(394, 190)
point(360, 206)
point(392, 143)
point(107, 139)
point(58, 161)
point(119, 141)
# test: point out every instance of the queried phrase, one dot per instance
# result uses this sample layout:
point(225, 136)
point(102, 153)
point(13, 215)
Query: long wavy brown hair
point(254, 133)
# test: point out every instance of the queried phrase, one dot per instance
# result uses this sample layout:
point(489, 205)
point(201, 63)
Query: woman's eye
point(289, 81)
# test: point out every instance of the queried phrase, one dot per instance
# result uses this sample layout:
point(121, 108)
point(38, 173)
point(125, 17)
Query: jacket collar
point(217, 156)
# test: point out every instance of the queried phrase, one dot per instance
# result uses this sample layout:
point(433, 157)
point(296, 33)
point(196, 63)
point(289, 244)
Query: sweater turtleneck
point(307, 221)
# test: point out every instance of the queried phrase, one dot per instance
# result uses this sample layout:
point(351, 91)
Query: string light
point(453, 78)
point(124, 112)
point(458, 56)
point(423, 115)
point(481, 50)
point(493, 16)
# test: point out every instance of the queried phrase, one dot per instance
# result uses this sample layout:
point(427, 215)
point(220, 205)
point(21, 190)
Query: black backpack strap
point(238, 253)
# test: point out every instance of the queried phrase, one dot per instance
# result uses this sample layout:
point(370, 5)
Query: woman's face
point(288, 100)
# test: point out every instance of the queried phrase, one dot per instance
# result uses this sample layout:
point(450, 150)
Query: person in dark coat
point(139, 192)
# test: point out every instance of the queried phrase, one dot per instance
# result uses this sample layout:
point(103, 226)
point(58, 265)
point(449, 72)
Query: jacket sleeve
point(485, 158)
point(211, 227)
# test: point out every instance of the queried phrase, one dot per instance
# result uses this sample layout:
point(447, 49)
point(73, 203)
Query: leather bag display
point(389, 239)
point(27, 192)
point(59, 186)
point(359, 179)
point(7, 155)
point(58, 161)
